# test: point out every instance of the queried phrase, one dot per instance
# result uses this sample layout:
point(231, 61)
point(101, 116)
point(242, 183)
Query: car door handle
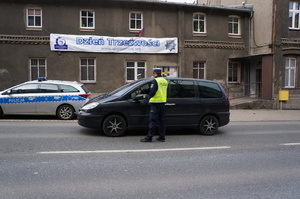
point(170, 104)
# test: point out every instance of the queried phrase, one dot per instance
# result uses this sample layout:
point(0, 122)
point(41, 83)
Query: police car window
point(84, 88)
point(209, 90)
point(27, 88)
point(68, 88)
point(181, 89)
point(48, 88)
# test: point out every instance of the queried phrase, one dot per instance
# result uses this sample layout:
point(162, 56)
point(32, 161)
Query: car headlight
point(90, 106)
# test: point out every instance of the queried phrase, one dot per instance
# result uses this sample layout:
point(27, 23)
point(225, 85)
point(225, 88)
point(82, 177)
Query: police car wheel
point(114, 126)
point(65, 112)
point(209, 125)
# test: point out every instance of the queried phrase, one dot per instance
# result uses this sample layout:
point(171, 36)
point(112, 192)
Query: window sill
point(83, 29)
point(294, 29)
point(88, 82)
point(32, 28)
point(199, 34)
point(235, 36)
point(137, 32)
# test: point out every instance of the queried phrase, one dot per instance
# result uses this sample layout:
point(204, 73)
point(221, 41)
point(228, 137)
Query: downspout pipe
point(249, 30)
point(274, 47)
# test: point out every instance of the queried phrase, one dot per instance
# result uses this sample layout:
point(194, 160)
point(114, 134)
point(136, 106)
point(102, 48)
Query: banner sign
point(104, 44)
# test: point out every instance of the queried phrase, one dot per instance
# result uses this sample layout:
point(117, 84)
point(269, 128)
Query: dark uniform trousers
point(157, 118)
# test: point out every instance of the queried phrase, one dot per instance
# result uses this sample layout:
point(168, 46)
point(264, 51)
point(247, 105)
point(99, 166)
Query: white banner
point(104, 44)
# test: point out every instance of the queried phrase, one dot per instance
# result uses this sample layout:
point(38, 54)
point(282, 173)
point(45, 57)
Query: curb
point(264, 115)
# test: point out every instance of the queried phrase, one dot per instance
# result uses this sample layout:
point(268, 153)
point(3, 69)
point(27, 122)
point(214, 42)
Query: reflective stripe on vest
point(161, 93)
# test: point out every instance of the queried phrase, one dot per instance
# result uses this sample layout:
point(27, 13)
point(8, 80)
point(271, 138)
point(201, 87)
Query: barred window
point(38, 68)
point(133, 68)
point(88, 70)
point(290, 72)
point(199, 70)
point(234, 70)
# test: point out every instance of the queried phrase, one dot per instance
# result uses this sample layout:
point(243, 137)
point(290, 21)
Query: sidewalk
point(264, 115)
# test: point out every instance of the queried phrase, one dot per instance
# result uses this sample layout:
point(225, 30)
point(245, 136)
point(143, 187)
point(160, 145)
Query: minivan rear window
point(209, 90)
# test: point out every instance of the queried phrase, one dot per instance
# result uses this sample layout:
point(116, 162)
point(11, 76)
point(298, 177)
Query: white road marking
point(290, 144)
point(133, 151)
point(38, 120)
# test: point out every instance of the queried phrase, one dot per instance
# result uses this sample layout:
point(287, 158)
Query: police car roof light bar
point(41, 79)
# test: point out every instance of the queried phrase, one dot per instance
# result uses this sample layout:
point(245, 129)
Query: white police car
point(44, 97)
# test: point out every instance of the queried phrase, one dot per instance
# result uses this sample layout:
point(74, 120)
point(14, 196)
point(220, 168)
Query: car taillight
point(228, 101)
point(84, 95)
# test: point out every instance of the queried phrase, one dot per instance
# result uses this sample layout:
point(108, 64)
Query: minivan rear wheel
point(209, 125)
point(114, 126)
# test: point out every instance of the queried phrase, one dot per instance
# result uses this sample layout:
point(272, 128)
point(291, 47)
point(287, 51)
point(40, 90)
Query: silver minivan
point(44, 97)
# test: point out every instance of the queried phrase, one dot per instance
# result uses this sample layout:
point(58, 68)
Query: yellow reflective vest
point(161, 93)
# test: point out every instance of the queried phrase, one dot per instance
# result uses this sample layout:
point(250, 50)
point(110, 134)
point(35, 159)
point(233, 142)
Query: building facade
point(209, 41)
point(274, 47)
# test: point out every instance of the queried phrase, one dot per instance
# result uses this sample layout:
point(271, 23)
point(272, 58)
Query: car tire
point(65, 112)
point(114, 126)
point(209, 125)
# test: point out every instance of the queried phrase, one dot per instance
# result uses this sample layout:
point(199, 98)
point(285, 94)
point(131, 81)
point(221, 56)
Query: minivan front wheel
point(65, 112)
point(114, 126)
point(209, 125)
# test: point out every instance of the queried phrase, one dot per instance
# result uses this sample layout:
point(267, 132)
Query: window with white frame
point(199, 70)
point(294, 15)
point(290, 72)
point(87, 19)
point(88, 70)
point(135, 21)
point(37, 67)
point(133, 68)
point(234, 72)
point(199, 23)
point(234, 25)
point(34, 17)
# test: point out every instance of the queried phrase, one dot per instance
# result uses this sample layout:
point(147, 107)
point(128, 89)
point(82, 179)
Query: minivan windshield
point(127, 87)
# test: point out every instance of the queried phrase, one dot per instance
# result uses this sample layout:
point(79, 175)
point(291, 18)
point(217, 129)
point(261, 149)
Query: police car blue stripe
point(41, 99)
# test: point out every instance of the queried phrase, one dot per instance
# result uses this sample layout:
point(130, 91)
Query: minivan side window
point(209, 90)
point(181, 89)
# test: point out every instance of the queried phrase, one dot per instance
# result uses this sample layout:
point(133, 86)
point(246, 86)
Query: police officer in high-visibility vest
point(157, 98)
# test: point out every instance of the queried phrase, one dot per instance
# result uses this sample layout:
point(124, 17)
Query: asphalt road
point(59, 159)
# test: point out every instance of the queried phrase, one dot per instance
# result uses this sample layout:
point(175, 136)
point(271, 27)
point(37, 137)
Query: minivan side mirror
point(138, 97)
